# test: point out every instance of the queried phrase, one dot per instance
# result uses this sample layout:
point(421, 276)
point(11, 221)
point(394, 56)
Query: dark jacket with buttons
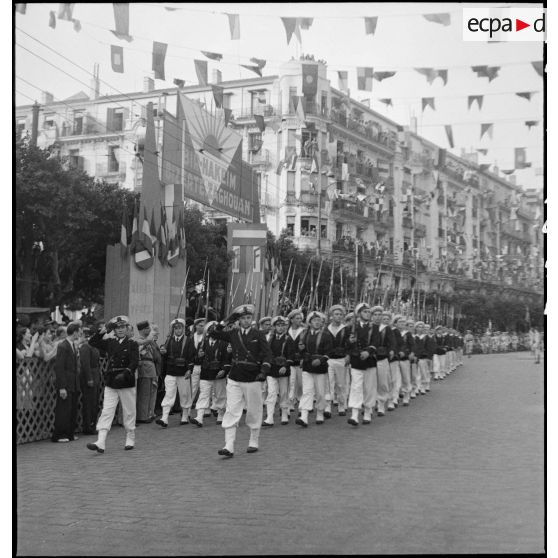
point(250, 356)
point(215, 358)
point(66, 367)
point(402, 344)
point(363, 334)
point(123, 354)
point(340, 342)
point(174, 360)
point(315, 346)
point(424, 348)
point(282, 348)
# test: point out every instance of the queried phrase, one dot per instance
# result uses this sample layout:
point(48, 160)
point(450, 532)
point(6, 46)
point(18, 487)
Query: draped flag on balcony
point(122, 21)
point(217, 95)
point(525, 94)
point(364, 78)
point(124, 232)
point(117, 59)
point(370, 24)
point(530, 123)
point(256, 69)
point(212, 55)
point(449, 134)
point(486, 128)
point(443, 18)
point(179, 82)
point(309, 79)
point(52, 20)
point(260, 123)
point(201, 71)
point(472, 98)
point(383, 75)
point(234, 26)
point(428, 102)
point(158, 62)
point(538, 66)
point(21, 8)
point(162, 236)
point(386, 102)
point(520, 158)
point(343, 80)
point(292, 25)
point(65, 11)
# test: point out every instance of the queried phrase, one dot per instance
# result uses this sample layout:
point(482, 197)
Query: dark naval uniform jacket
point(424, 347)
point(174, 360)
point(340, 342)
point(191, 352)
point(315, 345)
point(284, 351)
point(440, 344)
point(383, 341)
point(363, 333)
point(251, 355)
point(215, 358)
point(122, 354)
point(403, 344)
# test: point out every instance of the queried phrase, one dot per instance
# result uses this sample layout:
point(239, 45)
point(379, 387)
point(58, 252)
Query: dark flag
point(122, 21)
point(309, 79)
point(158, 65)
point(218, 95)
point(428, 102)
point(228, 113)
point(260, 122)
point(21, 8)
point(179, 82)
point(212, 55)
point(201, 71)
point(472, 98)
point(364, 78)
point(370, 25)
point(52, 20)
point(256, 69)
point(117, 58)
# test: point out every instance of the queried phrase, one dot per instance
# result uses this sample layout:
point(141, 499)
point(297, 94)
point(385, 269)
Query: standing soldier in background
point(120, 380)
point(147, 373)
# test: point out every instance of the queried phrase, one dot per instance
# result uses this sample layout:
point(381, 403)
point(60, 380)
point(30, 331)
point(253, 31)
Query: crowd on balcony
point(367, 128)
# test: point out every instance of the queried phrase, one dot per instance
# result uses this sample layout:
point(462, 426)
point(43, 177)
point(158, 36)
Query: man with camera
point(251, 363)
point(120, 380)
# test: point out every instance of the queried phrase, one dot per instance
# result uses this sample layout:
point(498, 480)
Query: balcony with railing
point(261, 158)
point(250, 112)
point(309, 241)
point(348, 211)
point(371, 133)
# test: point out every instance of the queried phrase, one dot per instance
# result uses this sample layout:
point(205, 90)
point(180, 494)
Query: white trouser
point(219, 400)
point(127, 397)
point(438, 366)
point(415, 378)
point(405, 372)
point(239, 395)
point(383, 383)
point(295, 383)
point(172, 383)
point(395, 377)
point(278, 387)
point(452, 358)
point(363, 391)
point(313, 386)
point(195, 379)
point(337, 375)
point(424, 374)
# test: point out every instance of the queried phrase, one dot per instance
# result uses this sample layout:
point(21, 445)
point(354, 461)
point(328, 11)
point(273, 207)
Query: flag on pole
point(158, 63)
point(122, 21)
point(143, 247)
point(234, 25)
point(153, 228)
point(201, 71)
point(173, 242)
point(162, 237)
point(370, 25)
point(300, 109)
point(134, 238)
point(124, 232)
point(364, 78)
point(260, 123)
point(117, 59)
point(227, 113)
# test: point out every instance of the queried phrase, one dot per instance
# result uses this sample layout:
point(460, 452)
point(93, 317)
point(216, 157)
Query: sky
point(403, 41)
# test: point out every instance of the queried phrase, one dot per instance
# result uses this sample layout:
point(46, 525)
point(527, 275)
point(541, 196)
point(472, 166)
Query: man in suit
point(251, 363)
point(90, 378)
point(120, 380)
point(67, 385)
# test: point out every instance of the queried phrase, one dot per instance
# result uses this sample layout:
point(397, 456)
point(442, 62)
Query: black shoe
point(267, 424)
point(161, 422)
point(128, 448)
point(319, 422)
point(225, 453)
point(185, 421)
point(381, 413)
point(327, 414)
point(342, 413)
point(353, 422)
point(300, 422)
point(283, 422)
point(196, 422)
point(366, 422)
point(251, 449)
point(219, 422)
point(214, 412)
point(94, 447)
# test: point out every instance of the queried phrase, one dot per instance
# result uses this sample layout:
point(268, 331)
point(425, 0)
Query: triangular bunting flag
point(443, 19)
point(259, 62)
point(65, 11)
point(442, 74)
point(370, 25)
point(520, 158)
point(481, 71)
point(486, 128)
point(508, 172)
point(386, 102)
point(291, 26)
point(483, 151)
point(234, 25)
point(212, 55)
point(383, 75)
point(228, 113)
point(343, 80)
point(117, 59)
point(122, 21)
point(449, 133)
point(260, 123)
point(217, 95)
point(538, 66)
point(179, 82)
point(472, 98)
point(492, 72)
point(201, 71)
point(525, 95)
point(428, 102)
point(256, 69)
point(364, 78)
point(306, 22)
point(530, 123)
point(429, 73)
point(52, 20)
point(158, 59)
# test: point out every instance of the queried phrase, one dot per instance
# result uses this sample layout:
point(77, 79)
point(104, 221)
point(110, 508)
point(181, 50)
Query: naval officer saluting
point(251, 363)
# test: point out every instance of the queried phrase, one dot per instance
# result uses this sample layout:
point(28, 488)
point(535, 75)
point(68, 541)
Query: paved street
point(459, 471)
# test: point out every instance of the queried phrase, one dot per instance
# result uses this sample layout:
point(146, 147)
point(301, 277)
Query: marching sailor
point(404, 354)
point(120, 380)
point(382, 339)
point(251, 363)
point(296, 318)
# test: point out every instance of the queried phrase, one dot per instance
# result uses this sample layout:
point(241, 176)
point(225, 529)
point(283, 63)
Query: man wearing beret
point(177, 374)
point(120, 380)
point(251, 363)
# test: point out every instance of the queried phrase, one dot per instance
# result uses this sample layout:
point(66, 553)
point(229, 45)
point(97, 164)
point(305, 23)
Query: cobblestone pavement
point(459, 471)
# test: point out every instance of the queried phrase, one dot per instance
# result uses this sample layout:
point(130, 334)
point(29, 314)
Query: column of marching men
point(360, 365)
